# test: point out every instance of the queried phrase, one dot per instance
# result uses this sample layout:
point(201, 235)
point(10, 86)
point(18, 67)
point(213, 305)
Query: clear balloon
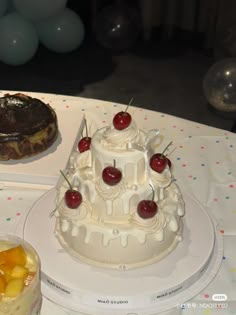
point(18, 38)
point(3, 7)
point(117, 26)
point(39, 9)
point(61, 33)
point(219, 85)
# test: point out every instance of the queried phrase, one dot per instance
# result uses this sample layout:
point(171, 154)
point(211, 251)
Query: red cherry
point(147, 209)
point(158, 162)
point(122, 120)
point(73, 198)
point(84, 144)
point(111, 175)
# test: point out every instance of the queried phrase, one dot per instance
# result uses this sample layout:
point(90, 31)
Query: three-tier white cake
point(108, 229)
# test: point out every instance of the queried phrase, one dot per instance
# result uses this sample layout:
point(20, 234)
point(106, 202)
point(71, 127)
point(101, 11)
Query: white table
point(204, 160)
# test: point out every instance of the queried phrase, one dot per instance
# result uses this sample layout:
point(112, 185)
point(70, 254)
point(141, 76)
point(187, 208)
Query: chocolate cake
point(27, 126)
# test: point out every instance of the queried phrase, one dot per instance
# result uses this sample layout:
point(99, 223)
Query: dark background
point(99, 72)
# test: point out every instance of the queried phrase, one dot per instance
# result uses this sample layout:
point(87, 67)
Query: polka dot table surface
point(204, 165)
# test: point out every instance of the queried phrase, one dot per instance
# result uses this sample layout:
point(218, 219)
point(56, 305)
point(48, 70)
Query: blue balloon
point(61, 33)
point(39, 9)
point(3, 7)
point(18, 38)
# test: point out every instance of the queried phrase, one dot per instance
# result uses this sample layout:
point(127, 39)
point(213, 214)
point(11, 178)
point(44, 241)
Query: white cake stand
point(143, 291)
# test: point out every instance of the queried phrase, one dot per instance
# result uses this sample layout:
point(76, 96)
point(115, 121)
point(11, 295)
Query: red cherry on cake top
point(147, 209)
point(159, 161)
point(73, 197)
point(111, 175)
point(85, 142)
point(122, 120)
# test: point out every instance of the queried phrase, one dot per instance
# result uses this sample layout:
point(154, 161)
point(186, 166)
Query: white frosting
point(163, 179)
point(106, 229)
point(79, 213)
point(82, 160)
point(109, 192)
point(155, 225)
point(115, 140)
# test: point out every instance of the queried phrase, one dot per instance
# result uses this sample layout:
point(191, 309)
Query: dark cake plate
point(43, 169)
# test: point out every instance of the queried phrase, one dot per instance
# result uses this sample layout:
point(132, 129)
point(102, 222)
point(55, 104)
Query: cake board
point(143, 291)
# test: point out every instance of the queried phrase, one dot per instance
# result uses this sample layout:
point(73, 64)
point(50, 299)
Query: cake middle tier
point(109, 147)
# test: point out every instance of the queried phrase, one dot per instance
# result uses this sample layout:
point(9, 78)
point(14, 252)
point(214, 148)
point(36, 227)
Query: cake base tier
point(144, 291)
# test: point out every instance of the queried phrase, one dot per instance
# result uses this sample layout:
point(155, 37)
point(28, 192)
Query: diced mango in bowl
point(14, 274)
point(13, 256)
point(19, 272)
point(5, 271)
point(3, 284)
point(14, 287)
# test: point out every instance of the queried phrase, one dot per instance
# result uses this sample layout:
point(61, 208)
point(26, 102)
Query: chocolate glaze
point(22, 115)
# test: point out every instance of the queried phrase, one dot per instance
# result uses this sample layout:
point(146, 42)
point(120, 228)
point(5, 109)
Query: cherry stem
point(166, 149)
point(153, 192)
point(86, 127)
point(66, 179)
point(129, 104)
point(114, 163)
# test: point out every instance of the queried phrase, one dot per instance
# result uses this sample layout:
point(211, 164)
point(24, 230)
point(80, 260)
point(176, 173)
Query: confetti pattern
point(204, 165)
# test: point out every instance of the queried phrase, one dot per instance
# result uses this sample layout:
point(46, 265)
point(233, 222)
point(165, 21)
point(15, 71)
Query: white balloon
point(61, 33)
point(18, 38)
point(39, 9)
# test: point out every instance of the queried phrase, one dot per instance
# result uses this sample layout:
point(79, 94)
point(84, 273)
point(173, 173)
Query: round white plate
point(149, 290)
